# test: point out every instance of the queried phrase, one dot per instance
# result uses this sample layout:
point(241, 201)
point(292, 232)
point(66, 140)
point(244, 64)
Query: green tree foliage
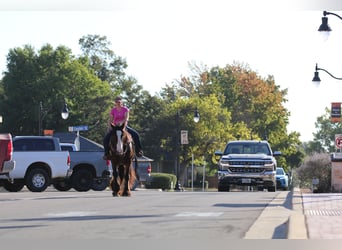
point(50, 76)
point(234, 102)
point(105, 63)
point(110, 68)
point(324, 138)
point(242, 104)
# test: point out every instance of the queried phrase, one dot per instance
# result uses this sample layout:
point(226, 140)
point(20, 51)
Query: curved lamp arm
point(325, 13)
point(316, 78)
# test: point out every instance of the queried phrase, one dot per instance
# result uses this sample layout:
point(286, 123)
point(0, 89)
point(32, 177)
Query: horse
point(121, 154)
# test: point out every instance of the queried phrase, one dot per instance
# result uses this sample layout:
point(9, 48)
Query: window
point(33, 145)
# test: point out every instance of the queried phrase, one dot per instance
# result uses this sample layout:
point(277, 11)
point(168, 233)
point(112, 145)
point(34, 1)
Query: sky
point(159, 39)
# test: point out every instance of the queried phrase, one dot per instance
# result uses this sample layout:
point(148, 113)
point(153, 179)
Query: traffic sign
point(338, 141)
point(78, 128)
point(335, 112)
point(184, 137)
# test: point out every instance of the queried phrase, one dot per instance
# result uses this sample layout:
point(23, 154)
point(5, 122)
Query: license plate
point(246, 180)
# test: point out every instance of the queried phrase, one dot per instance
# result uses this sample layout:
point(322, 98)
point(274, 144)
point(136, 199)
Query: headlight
point(224, 162)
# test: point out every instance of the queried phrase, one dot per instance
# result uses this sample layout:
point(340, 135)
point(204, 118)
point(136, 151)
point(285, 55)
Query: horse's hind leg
point(129, 180)
point(124, 183)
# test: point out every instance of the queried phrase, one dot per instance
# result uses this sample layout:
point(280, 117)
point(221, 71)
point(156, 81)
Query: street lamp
point(43, 112)
point(196, 120)
point(316, 80)
point(324, 28)
point(65, 111)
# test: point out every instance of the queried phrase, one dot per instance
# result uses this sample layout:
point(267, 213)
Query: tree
point(110, 68)
point(50, 76)
point(324, 138)
point(254, 104)
point(105, 63)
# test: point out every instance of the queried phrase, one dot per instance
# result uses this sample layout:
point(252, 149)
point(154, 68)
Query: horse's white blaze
point(119, 145)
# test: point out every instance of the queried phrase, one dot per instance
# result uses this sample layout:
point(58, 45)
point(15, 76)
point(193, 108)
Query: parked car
point(282, 179)
point(90, 170)
point(89, 167)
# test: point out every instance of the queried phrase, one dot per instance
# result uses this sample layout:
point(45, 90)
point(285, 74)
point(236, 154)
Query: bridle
point(121, 147)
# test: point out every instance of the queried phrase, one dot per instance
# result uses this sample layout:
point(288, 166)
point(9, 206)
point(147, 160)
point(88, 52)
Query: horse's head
point(119, 139)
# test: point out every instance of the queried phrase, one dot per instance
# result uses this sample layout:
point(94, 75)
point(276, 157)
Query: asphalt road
point(148, 214)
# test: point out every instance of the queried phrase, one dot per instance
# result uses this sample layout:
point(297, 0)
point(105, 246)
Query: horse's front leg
point(123, 183)
point(120, 178)
point(114, 182)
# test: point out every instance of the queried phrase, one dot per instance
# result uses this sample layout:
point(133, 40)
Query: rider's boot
point(139, 152)
point(106, 155)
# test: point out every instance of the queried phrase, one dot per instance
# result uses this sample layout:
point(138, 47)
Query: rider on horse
point(119, 115)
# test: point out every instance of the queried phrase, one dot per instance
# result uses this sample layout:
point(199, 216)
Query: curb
point(297, 225)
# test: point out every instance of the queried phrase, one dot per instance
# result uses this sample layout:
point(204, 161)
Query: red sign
point(335, 112)
point(338, 141)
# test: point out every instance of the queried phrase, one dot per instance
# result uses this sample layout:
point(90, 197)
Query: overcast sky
point(159, 38)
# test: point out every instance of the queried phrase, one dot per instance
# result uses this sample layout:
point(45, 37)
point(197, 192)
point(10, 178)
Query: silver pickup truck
point(90, 171)
point(247, 163)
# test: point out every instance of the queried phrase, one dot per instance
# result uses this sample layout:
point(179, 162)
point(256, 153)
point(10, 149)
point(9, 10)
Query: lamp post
point(42, 113)
point(316, 80)
point(335, 107)
point(324, 28)
point(196, 119)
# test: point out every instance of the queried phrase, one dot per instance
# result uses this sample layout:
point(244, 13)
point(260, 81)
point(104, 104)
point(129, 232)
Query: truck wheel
point(100, 184)
point(16, 186)
point(225, 188)
point(62, 185)
point(82, 180)
point(37, 180)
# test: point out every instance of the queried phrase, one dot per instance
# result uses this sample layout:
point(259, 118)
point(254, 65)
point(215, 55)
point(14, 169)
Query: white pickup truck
point(39, 163)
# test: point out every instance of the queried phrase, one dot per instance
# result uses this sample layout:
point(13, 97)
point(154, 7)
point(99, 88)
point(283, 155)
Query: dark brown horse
point(121, 154)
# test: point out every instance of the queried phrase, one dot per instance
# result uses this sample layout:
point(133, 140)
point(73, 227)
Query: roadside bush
point(161, 181)
point(316, 166)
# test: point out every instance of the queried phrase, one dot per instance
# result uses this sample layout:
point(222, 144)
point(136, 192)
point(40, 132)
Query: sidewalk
point(316, 216)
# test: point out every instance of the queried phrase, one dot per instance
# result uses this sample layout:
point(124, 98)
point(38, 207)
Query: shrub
point(161, 181)
point(316, 166)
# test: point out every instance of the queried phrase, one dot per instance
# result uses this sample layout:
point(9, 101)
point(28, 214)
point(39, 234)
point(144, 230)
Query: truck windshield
point(247, 148)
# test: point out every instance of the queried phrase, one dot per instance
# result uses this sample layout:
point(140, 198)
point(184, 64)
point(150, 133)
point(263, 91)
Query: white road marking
point(71, 214)
point(199, 214)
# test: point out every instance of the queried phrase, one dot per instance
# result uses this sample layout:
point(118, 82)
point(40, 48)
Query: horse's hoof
point(114, 194)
